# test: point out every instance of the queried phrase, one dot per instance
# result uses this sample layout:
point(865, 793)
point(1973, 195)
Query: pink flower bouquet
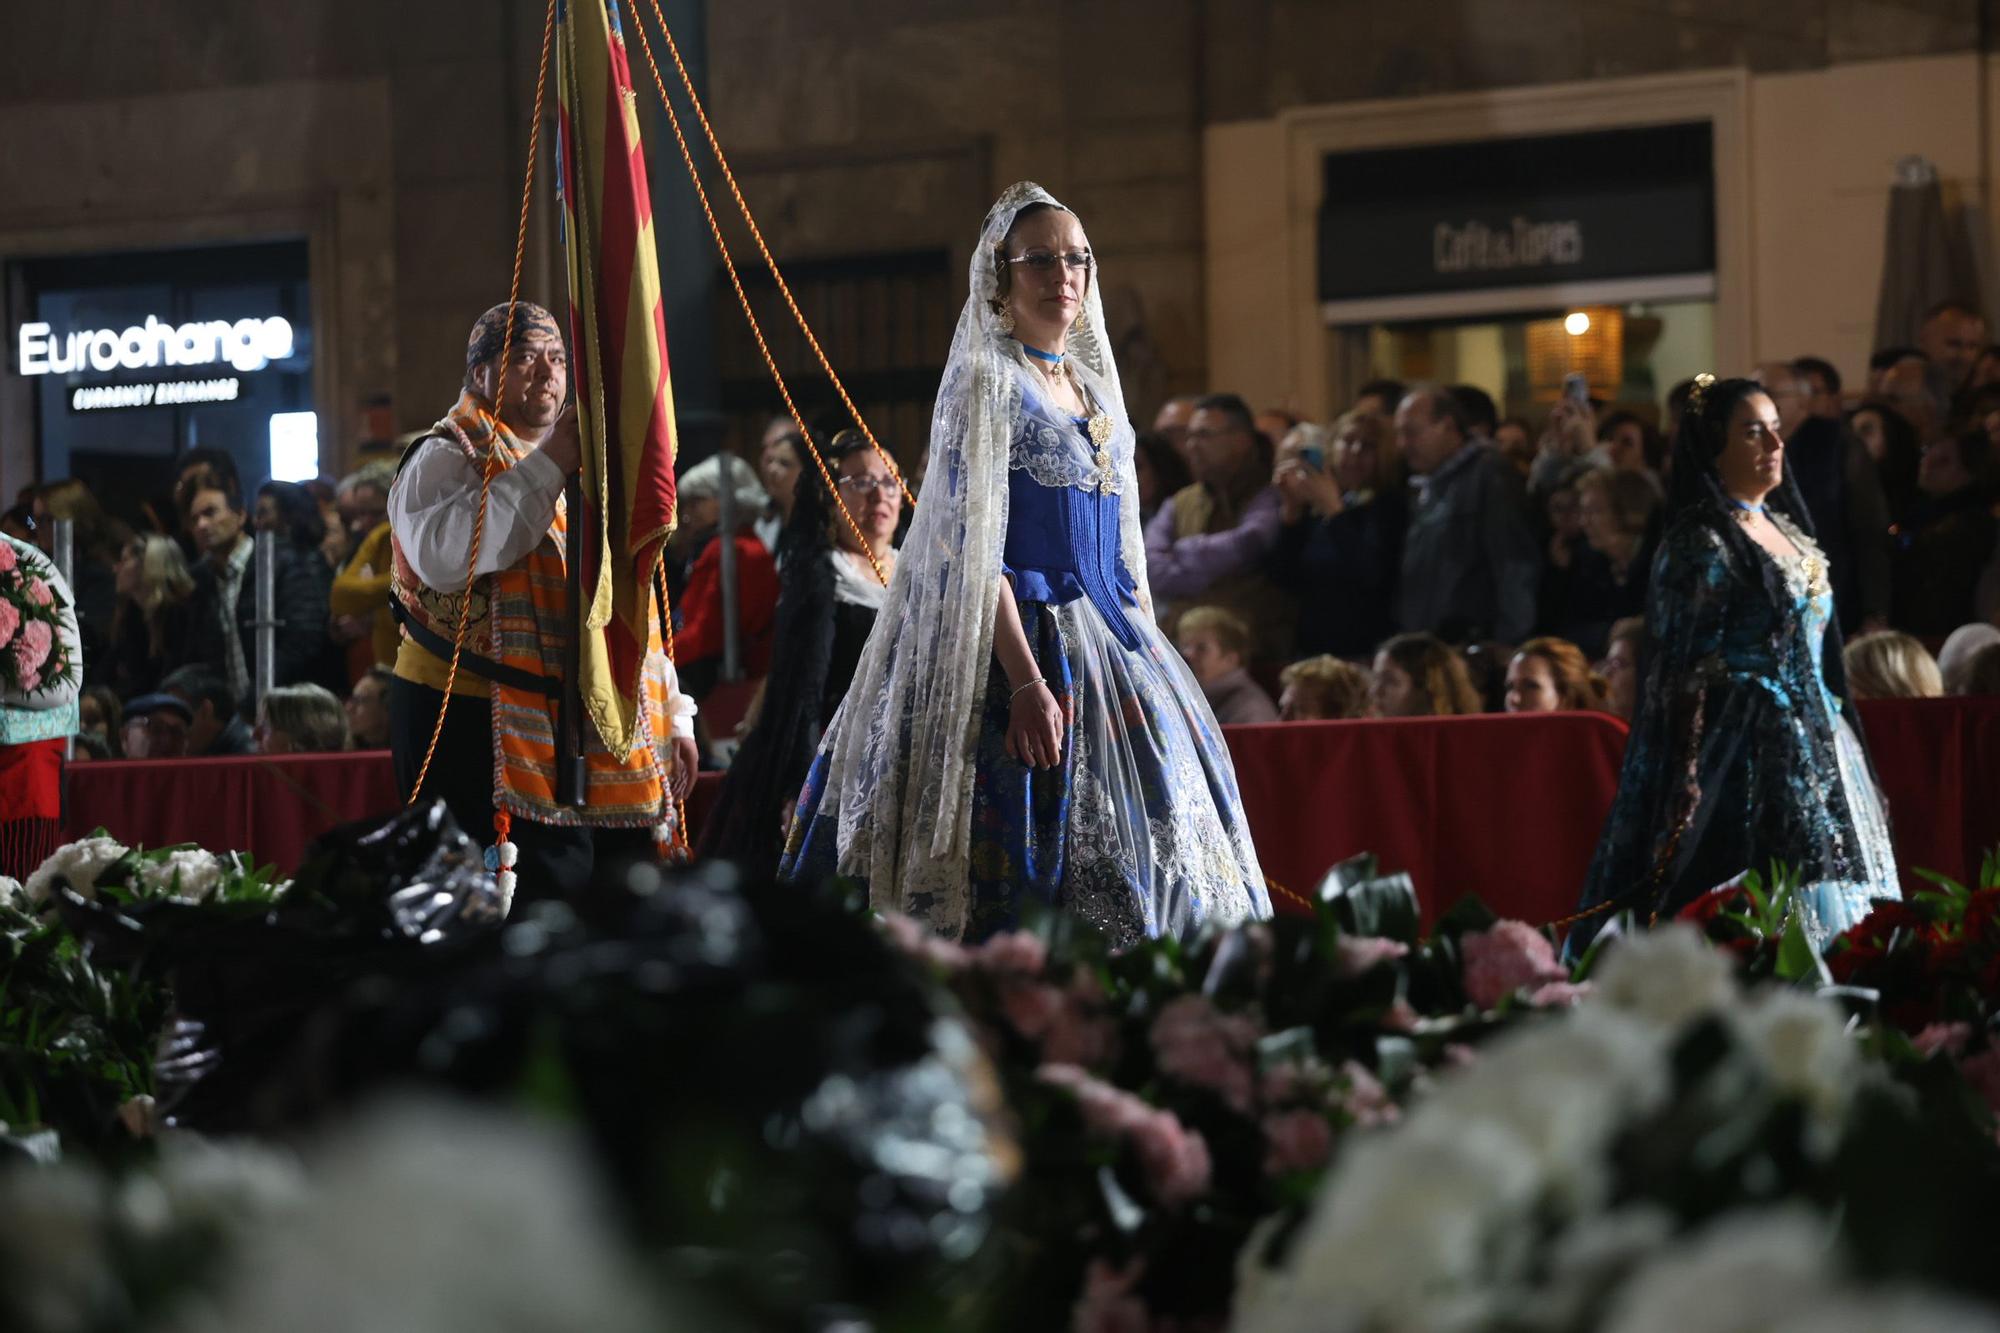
point(32, 654)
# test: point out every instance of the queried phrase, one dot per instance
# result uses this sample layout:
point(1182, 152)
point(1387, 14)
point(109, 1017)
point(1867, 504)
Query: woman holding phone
point(1340, 549)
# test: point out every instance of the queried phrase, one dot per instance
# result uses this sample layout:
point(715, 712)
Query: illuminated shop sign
point(156, 393)
point(246, 344)
point(1457, 230)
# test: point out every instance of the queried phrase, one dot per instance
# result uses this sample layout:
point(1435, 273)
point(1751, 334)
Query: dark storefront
point(1510, 263)
point(132, 358)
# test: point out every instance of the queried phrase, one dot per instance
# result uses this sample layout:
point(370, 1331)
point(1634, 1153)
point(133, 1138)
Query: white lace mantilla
point(900, 749)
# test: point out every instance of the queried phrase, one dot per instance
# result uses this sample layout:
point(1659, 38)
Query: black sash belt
point(484, 667)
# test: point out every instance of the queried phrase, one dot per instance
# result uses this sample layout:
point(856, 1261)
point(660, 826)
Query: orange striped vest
point(517, 621)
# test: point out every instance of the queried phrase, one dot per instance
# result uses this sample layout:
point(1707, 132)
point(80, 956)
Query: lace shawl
point(900, 749)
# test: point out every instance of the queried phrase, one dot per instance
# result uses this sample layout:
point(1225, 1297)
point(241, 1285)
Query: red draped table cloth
point(1508, 808)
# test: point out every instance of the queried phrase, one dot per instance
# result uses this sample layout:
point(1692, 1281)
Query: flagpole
point(569, 707)
point(569, 775)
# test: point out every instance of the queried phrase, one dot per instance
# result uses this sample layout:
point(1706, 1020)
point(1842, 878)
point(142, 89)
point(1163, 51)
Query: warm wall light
point(1591, 341)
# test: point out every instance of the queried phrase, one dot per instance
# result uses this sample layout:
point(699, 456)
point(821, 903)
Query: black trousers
point(557, 861)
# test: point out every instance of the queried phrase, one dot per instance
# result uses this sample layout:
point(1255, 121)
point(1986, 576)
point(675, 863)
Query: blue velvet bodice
point(1062, 541)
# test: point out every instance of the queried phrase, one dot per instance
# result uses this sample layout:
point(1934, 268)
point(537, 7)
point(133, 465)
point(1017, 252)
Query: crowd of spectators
point(1466, 563)
point(167, 612)
point(1418, 555)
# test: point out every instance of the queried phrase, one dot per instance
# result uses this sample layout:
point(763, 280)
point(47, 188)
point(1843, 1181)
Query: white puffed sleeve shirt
point(435, 502)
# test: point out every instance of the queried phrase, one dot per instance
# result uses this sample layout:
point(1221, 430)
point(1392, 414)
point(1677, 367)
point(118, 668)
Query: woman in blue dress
point(1744, 749)
point(1019, 732)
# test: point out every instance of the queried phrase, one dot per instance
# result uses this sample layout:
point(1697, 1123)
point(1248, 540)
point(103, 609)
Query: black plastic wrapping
point(375, 905)
point(788, 1113)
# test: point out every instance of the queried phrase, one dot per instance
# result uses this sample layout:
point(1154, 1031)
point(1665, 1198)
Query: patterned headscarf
point(491, 328)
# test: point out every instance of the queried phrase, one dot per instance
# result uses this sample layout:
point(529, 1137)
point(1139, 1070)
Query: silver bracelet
point(1039, 680)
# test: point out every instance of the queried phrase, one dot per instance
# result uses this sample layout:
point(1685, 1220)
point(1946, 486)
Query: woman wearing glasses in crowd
point(829, 591)
point(1743, 748)
point(1019, 733)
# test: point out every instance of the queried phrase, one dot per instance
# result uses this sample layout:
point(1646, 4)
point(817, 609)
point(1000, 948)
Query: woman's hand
point(1035, 720)
point(1302, 486)
point(1571, 432)
point(1035, 727)
point(1290, 508)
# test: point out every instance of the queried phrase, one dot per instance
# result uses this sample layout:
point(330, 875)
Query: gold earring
point(1006, 319)
point(1081, 324)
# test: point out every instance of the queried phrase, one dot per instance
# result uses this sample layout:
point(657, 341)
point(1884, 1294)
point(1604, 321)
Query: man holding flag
point(498, 751)
point(556, 618)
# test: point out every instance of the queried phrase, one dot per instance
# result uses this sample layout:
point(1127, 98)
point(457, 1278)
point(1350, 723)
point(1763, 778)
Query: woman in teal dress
point(1744, 749)
point(1019, 732)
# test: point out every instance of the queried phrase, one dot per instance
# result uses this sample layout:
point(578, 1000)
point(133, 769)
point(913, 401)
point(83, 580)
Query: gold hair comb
point(1698, 395)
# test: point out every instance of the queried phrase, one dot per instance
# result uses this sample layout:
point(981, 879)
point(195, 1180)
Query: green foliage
point(1367, 902)
point(77, 1037)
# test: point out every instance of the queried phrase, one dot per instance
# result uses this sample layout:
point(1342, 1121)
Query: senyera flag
point(618, 359)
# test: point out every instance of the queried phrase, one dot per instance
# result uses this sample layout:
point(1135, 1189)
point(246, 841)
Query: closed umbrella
point(1927, 260)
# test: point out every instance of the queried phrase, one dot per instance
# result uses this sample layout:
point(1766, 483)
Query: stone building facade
point(392, 136)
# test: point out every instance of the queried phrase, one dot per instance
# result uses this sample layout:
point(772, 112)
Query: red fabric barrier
point(271, 808)
point(1505, 807)
point(1938, 761)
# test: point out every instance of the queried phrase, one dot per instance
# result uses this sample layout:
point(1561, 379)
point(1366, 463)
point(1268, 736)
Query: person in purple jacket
point(1210, 540)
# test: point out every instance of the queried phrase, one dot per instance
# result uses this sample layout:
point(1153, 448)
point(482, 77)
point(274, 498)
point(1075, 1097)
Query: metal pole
point(267, 622)
point(732, 616)
point(572, 775)
point(62, 541)
point(62, 537)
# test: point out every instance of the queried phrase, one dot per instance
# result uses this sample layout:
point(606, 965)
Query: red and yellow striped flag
point(618, 361)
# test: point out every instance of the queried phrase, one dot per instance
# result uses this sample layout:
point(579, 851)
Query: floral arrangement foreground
point(1334, 1122)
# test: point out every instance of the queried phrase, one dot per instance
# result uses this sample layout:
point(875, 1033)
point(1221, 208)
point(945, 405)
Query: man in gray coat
point(1471, 560)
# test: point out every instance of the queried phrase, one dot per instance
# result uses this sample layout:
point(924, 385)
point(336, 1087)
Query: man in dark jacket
point(215, 727)
point(225, 594)
point(1471, 561)
point(1843, 493)
point(1947, 542)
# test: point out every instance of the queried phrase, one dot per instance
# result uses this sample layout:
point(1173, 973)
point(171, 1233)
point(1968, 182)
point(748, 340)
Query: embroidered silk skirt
point(1139, 830)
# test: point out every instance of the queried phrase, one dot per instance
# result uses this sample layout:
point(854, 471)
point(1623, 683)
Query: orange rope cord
point(1557, 924)
point(1585, 915)
point(756, 234)
point(499, 397)
point(1280, 889)
point(743, 299)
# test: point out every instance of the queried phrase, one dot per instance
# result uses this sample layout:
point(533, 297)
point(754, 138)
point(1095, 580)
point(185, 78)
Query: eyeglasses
point(1041, 261)
point(868, 485)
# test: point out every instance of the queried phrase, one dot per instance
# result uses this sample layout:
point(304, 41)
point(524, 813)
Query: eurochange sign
point(155, 393)
point(246, 345)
